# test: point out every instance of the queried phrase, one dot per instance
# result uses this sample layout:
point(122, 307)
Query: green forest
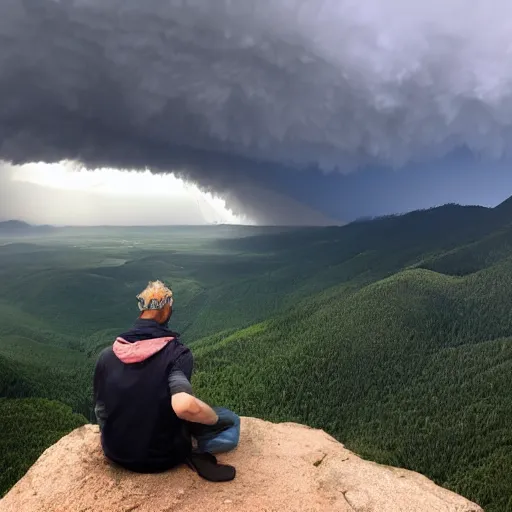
point(394, 335)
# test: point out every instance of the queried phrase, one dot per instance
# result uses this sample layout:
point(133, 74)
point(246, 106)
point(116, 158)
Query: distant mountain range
point(13, 227)
point(14, 224)
point(309, 218)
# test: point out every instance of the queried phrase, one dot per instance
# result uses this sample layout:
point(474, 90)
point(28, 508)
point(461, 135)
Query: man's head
point(155, 302)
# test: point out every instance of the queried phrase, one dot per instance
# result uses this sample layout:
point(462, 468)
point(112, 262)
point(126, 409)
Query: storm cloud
point(227, 92)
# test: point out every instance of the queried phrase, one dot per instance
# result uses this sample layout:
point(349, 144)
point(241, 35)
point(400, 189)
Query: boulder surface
point(280, 467)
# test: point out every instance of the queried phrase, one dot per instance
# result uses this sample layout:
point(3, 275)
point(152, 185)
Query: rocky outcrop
point(280, 467)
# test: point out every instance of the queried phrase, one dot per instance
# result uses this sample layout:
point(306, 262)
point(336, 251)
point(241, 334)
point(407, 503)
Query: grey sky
point(226, 92)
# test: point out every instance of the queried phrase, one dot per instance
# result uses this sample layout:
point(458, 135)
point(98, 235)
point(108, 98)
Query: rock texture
point(280, 467)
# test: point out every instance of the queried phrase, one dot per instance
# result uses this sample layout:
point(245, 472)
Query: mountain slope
point(402, 370)
point(393, 335)
point(474, 256)
point(32, 369)
point(28, 427)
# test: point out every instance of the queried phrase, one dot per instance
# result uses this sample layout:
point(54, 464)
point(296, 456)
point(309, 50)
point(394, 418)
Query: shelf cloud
point(226, 93)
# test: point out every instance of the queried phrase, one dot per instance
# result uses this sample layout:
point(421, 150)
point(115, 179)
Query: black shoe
point(206, 466)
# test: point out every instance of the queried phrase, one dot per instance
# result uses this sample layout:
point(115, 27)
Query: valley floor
point(393, 335)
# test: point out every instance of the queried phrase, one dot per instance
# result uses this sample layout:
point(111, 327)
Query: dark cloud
point(226, 92)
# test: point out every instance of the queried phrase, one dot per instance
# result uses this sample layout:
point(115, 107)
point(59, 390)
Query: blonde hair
point(155, 296)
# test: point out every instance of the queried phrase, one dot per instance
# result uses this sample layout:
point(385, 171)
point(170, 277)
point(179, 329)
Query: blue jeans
point(222, 442)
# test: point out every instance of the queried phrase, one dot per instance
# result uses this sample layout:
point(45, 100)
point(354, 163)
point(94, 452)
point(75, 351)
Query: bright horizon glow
point(93, 189)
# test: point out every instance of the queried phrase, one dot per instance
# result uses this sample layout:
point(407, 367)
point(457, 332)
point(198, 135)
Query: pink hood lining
point(139, 350)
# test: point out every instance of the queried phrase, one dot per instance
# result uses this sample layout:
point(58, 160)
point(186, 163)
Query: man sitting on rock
point(143, 397)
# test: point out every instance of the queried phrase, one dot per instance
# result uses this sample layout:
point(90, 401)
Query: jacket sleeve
point(178, 383)
point(181, 374)
point(97, 379)
point(185, 363)
point(99, 407)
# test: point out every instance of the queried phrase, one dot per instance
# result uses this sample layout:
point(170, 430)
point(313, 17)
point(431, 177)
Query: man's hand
point(224, 422)
point(189, 408)
point(204, 432)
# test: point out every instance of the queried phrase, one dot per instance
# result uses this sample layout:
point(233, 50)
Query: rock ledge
point(280, 467)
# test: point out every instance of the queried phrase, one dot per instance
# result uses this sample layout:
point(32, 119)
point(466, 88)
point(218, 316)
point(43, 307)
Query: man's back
point(139, 427)
point(143, 396)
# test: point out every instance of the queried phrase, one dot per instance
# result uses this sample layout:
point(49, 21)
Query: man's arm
point(186, 406)
point(190, 408)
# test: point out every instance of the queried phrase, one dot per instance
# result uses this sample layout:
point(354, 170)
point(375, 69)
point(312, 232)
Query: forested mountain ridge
point(394, 334)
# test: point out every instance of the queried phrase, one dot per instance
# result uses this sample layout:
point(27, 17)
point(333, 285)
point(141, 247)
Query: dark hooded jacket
point(139, 429)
